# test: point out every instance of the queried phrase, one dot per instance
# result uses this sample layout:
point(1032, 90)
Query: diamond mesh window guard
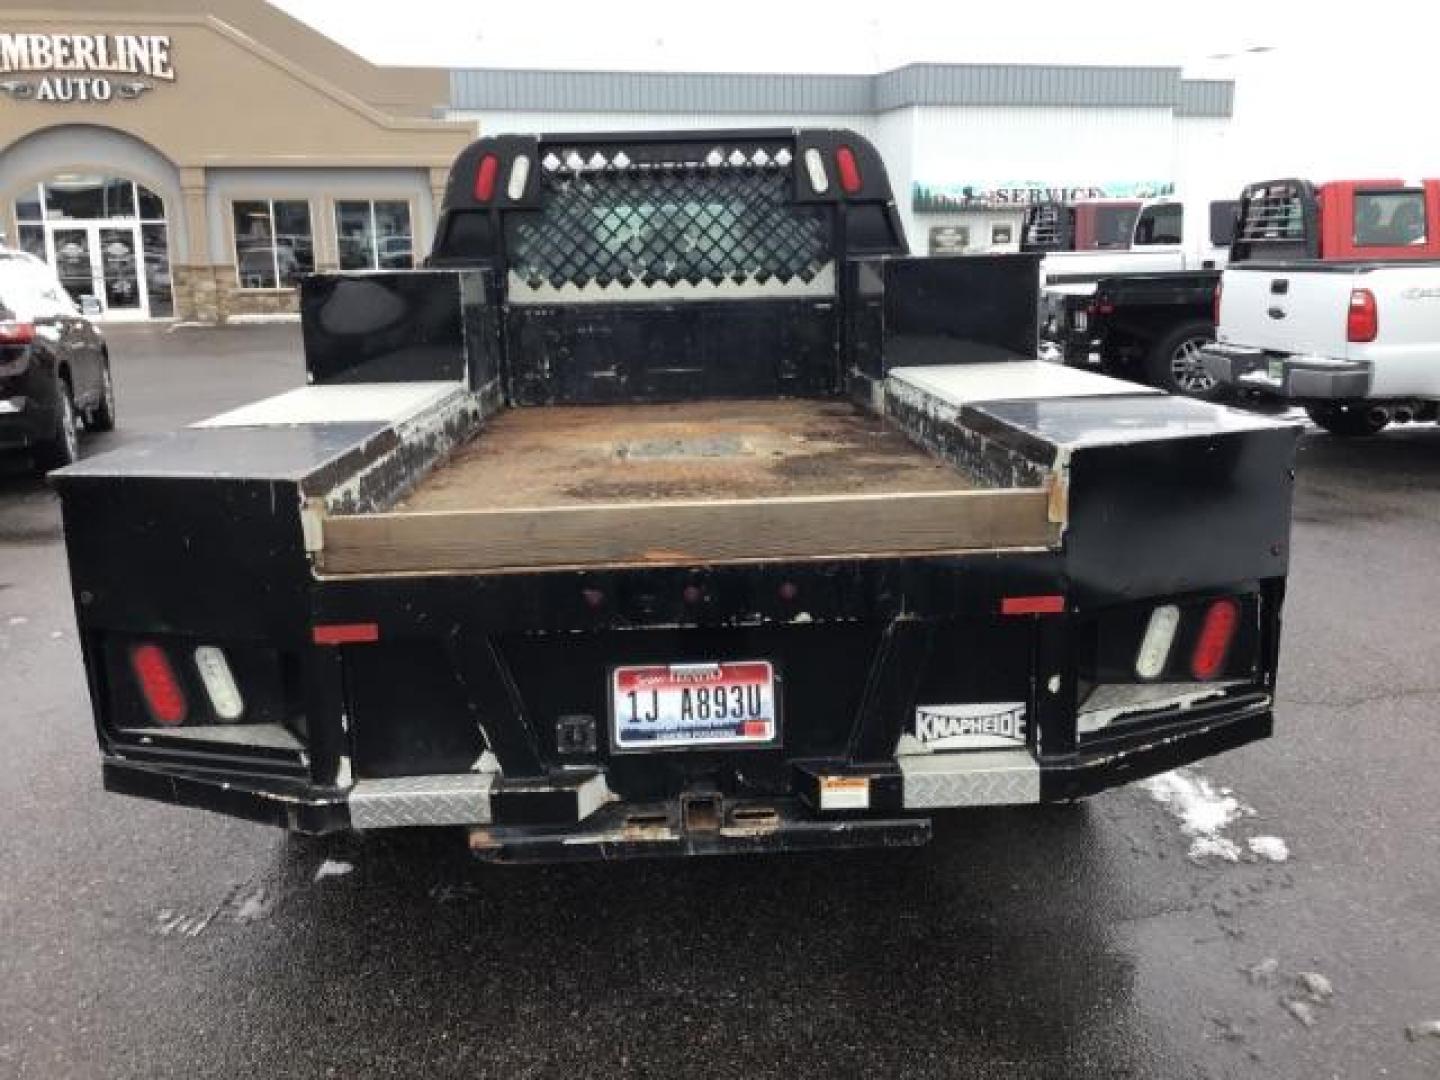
point(630, 226)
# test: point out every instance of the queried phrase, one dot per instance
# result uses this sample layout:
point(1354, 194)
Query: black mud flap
point(653, 830)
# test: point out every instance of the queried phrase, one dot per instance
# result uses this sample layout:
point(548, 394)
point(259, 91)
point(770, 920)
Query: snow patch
point(333, 868)
point(17, 620)
point(1205, 848)
point(1201, 809)
point(1269, 847)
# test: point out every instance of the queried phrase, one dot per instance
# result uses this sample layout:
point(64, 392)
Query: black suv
point(54, 366)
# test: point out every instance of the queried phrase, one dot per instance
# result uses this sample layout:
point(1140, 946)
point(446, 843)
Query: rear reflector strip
point(1033, 605)
point(1216, 632)
point(346, 633)
point(163, 694)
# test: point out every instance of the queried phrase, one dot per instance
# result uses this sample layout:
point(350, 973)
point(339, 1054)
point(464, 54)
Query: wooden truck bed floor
point(692, 484)
point(582, 455)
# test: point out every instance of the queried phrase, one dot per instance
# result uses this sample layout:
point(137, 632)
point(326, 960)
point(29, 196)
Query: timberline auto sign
point(939, 197)
point(83, 67)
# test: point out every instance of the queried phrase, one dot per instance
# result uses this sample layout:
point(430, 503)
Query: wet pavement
point(138, 940)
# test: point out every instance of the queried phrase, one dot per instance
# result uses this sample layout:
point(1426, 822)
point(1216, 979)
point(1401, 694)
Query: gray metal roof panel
point(913, 84)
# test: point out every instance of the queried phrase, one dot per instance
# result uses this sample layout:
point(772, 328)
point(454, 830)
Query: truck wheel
point(102, 416)
point(1349, 421)
point(62, 448)
point(1174, 364)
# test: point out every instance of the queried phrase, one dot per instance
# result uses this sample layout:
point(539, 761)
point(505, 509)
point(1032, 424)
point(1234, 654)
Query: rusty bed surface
point(586, 455)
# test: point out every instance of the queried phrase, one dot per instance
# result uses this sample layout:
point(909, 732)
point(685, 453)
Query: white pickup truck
point(1162, 235)
point(1331, 300)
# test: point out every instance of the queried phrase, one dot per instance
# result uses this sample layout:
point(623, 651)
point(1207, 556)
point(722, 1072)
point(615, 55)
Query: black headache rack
point(478, 695)
point(1279, 220)
point(1048, 227)
point(598, 246)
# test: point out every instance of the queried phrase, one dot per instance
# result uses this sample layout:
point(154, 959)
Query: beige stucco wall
point(234, 101)
point(238, 107)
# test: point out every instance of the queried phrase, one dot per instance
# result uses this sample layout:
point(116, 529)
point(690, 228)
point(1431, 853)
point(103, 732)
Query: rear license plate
point(669, 706)
point(1082, 320)
point(1276, 370)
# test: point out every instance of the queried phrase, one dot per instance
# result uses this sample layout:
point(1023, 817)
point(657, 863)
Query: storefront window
point(75, 197)
point(374, 234)
point(157, 269)
point(32, 239)
point(27, 207)
point(273, 242)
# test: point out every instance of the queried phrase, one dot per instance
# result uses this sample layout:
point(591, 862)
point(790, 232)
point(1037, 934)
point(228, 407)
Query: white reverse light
point(519, 173)
point(219, 683)
point(815, 166)
point(1155, 645)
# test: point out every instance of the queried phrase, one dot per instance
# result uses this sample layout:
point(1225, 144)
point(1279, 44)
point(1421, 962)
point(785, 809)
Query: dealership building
point(193, 164)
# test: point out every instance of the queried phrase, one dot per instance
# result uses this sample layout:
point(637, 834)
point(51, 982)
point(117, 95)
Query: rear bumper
point(1300, 378)
point(23, 422)
point(578, 817)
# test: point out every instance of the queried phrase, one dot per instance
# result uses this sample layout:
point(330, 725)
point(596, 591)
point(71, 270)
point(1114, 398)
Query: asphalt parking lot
point(138, 940)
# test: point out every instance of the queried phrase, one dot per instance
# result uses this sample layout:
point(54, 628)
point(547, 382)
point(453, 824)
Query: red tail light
point(164, 696)
point(1363, 320)
point(1219, 288)
point(485, 178)
point(16, 333)
point(1216, 632)
point(849, 170)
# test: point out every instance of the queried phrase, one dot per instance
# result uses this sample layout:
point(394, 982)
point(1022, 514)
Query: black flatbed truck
point(673, 509)
point(1149, 328)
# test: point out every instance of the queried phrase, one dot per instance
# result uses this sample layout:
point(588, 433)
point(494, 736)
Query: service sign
point(999, 196)
point(83, 68)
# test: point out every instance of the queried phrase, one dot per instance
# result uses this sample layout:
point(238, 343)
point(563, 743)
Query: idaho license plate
point(669, 706)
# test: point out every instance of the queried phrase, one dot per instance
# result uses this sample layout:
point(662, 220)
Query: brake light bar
point(1217, 631)
point(164, 696)
point(485, 178)
point(849, 170)
point(16, 333)
point(1362, 321)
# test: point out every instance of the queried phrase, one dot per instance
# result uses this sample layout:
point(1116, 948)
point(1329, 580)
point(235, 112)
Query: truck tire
point(1349, 421)
point(1173, 363)
point(63, 447)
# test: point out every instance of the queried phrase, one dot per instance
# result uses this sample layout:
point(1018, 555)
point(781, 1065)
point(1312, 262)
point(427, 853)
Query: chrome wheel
point(1187, 367)
point(69, 426)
